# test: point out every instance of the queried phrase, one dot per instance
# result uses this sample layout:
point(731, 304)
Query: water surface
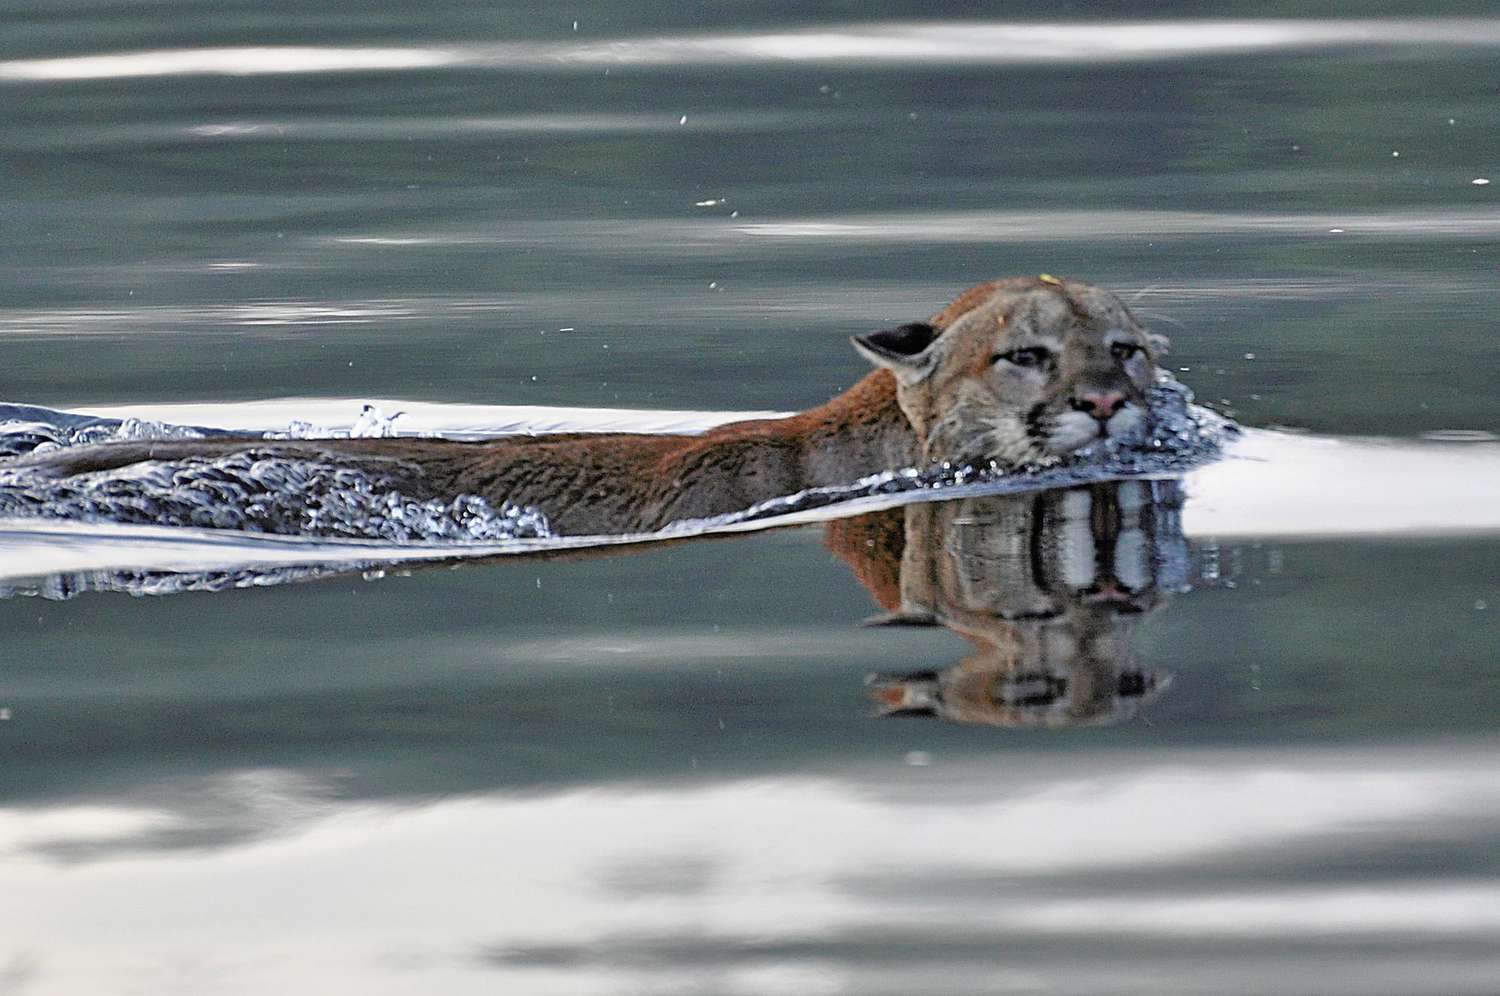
point(662, 771)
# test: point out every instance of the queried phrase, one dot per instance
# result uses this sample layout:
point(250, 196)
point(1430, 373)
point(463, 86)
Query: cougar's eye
point(1124, 350)
point(1030, 356)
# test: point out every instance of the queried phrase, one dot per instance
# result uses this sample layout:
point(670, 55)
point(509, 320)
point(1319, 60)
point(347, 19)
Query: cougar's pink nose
point(1100, 404)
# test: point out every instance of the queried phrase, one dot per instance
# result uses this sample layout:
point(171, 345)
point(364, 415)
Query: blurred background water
point(659, 773)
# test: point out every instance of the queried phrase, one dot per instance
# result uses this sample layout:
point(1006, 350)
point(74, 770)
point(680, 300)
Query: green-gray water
point(660, 772)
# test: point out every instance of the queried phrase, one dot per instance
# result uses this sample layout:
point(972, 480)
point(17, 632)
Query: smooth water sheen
point(1233, 734)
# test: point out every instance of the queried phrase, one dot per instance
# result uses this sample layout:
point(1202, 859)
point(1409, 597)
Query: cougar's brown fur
point(1018, 371)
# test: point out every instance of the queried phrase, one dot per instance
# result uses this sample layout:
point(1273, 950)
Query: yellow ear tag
point(1048, 278)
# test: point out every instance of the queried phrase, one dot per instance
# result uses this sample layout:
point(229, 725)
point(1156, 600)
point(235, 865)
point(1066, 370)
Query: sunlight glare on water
point(916, 43)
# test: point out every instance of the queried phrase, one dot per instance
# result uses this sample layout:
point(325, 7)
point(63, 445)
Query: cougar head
point(1020, 371)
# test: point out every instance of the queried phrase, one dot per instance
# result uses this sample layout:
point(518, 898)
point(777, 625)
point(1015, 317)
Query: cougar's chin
point(1128, 424)
point(1067, 431)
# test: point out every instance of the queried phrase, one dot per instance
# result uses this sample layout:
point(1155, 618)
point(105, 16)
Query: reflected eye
point(1124, 350)
point(1031, 356)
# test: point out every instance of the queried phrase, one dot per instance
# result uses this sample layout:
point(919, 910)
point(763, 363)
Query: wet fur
point(958, 409)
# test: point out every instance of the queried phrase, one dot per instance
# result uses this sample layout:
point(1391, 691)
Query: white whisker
point(1071, 431)
point(1157, 316)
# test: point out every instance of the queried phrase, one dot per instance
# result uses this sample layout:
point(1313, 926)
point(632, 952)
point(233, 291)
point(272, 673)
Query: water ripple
point(932, 43)
point(658, 236)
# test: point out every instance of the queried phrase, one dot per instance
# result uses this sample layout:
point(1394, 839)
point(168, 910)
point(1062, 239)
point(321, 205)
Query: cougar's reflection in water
point(1048, 587)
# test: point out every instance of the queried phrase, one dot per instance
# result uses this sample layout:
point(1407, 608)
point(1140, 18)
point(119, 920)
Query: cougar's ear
point(1160, 344)
point(904, 350)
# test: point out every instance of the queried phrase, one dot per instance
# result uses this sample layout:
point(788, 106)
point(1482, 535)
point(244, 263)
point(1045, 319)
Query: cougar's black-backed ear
point(902, 350)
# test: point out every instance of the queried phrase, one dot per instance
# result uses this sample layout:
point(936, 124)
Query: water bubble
point(264, 491)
